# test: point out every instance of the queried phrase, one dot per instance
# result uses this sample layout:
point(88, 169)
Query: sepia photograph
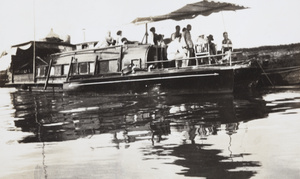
point(134, 89)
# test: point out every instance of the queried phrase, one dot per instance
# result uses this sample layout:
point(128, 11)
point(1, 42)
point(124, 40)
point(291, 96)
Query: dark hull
point(109, 70)
point(37, 87)
point(3, 78)
point(280, 77)
point(159, 82)
point(2, 82)
point(246, 77)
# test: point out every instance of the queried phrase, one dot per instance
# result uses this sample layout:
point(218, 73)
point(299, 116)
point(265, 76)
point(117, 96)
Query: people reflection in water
point(159, 128)
point(232, 128)
point(126, 139)
point(206, 130)
point(189, 132)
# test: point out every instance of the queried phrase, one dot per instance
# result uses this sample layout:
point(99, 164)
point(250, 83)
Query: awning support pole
point(70, 69)
point(48, 74)
point(146, 34)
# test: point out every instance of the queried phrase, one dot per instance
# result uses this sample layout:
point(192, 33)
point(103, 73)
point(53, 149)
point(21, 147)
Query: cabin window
point(74, 69)
point(46, 70)
point(65, 69)
point(52, 71)
point(92, 67)
point(103, 66)
point(57, 70)
point(78, 47)
point(113, 66)
point(83, 68)
point(84, 46)
point(41, 71)
point(108, 66)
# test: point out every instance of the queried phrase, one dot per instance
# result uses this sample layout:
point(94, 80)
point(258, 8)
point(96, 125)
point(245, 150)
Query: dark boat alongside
point(284, 76)
point(3, 78)
point(247, 75)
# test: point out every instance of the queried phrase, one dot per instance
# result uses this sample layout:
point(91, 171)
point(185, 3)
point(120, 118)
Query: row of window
point(62, 70)
point(83, 68)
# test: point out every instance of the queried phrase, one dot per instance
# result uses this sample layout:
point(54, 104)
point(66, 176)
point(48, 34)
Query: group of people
point(206, 44)
point(109, 40)
point(183, 47)
point(180, 47)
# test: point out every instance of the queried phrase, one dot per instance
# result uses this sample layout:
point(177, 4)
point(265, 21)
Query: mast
point(33, 58)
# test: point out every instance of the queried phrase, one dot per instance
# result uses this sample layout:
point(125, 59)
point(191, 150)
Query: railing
point(23, 78)
point(197, 58)
point(93, 50)
point(226, 58)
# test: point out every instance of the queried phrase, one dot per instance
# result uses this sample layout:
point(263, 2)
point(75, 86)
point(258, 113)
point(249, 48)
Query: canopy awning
point(191, 11)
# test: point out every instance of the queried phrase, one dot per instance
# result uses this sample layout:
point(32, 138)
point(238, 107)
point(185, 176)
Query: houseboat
point(130, 68)
point(136, 68)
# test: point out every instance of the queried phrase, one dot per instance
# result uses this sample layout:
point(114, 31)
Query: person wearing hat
point(201, 44)
point(226, 43)
point(211, 45)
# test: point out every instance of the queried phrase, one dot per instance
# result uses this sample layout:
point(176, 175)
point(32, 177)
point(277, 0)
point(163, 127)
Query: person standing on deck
point(119, 38)
point(187, 39)
point(226, 48)
point(211, 45)
point(201, 44)
point(176, 33)
point(226, 43)
point(153, 36)
point(176, 52)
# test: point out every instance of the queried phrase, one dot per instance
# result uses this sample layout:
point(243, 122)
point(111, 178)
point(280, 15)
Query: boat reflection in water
point(178, 126)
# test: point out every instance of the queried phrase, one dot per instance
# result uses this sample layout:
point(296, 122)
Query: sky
point(265, 22)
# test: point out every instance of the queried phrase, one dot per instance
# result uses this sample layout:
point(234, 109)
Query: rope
point(265, 74)
point(280, 70)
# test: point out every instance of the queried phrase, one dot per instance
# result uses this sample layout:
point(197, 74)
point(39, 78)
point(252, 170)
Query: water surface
point(59, 135)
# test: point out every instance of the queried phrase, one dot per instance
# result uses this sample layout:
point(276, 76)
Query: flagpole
point(33, 59)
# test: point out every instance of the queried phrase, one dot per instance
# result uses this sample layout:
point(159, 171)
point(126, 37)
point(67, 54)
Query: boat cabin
point(30, 60)
point(104, 61)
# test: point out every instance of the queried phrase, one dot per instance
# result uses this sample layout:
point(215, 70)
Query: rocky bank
point(274, 56)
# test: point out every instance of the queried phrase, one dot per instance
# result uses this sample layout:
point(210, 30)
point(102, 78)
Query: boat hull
point(280, 77)
point(159, 82)
point(246, 77)
point(3, 78)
